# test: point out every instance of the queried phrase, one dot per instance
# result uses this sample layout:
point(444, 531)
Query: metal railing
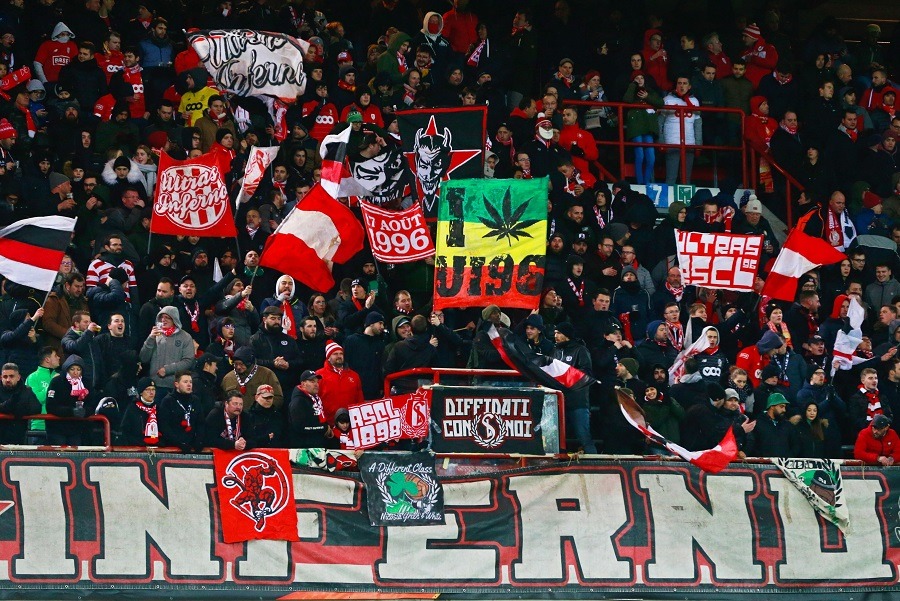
point(791, 183)
point(101, 419)
point(621, 142)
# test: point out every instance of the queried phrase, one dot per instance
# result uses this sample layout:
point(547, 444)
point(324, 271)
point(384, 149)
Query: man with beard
point(311, 345)
point(60, 307)
point(633, 302)
point(604, 266)
point(774, 436)
point(876, 445)
point(655, 349)
point(200, 269)
point(229, 427)
point(340, 386)
point(165, 297)
point(292, 308)
point(275, 349)
point(247, 376)
point(191, 308)
point(555, 265)
point(672, 292)
point(80, 340)
point(16, 400)
point(364, 353)
point(180, 420)
point(308, 427)
point(110, 258)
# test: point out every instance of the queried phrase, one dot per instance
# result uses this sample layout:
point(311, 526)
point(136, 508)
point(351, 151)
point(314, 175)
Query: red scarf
point(168, 331)
point(151, 427)
point(287, 319)
point(873, 406)
point(790, 129)
point(712, 350)
point(475, 57)
point(227, 346)
point(889, 109)
point(78, 389)
point(782, 331)
point(280, 186)
point(195, 325)
point(833, 227)
point(598, 213)
point(676, 334)
point(219, 120)
point(346, 86)
point(232, 433)
point(566, 80)
point(678, 292)
point(852, 133)
point(401, 63)
point(625, 320)
point(29, 121)
point(578, 290)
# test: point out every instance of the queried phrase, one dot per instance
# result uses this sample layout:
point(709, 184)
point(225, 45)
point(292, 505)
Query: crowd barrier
point(147, 526)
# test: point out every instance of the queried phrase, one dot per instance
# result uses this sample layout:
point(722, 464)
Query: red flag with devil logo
point(256, 495)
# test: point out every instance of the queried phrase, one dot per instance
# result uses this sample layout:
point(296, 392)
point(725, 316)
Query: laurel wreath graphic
point(427, 502)
point(481, 441)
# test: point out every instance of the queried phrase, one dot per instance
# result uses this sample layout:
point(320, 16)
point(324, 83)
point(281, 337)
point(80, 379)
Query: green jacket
point(639, 122)
point(39, 381)
point(387, 62)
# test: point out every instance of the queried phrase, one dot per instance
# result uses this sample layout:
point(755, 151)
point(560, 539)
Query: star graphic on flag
point(458, 158)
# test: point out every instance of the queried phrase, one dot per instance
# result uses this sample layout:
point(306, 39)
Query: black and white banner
point(402, 489)
point(253, 63)
point(486, 420)
point(442, 144)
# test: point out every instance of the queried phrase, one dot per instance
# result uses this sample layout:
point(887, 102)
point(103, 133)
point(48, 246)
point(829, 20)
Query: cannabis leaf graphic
point(506, 225)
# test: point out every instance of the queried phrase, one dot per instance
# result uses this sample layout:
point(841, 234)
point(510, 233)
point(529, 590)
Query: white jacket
point(671, 130)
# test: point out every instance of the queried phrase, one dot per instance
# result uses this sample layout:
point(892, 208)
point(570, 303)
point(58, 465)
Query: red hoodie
point(657, 68)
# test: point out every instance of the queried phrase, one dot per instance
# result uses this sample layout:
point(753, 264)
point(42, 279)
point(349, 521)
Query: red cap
point(870, 199)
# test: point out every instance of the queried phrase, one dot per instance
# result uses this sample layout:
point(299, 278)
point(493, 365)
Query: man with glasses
point(878, 444)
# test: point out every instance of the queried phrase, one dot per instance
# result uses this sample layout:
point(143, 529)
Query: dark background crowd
point(146, 330)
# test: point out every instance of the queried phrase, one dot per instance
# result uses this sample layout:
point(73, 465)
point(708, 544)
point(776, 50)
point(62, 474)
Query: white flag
point(257, 162)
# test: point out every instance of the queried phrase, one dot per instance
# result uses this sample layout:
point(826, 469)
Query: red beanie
point(870, 199)
point(6, 130)
point(752, 31)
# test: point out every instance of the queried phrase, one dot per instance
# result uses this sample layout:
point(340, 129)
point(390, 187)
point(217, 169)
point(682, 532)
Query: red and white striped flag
point(711, 460)
point(318, 232)
point(259, 160)
point(336, 177)
point(697, 347)
point(31, 250)
point(800, 254)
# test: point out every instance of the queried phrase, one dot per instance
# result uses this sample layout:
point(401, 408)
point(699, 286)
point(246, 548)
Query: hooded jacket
point(54, 54)
point(388, 62)
point(86, 80)
point(436, 42)
point(17, 401)
point(298, 307)
point(173, 353)
point(337, 389)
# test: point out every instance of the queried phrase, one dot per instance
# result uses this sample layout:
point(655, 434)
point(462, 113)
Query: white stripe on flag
point(792, 264)
point(27, 275)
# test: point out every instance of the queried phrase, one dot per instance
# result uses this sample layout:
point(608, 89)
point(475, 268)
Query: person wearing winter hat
point(572, 351)
point(753, 358)
point(878, 444)
point(275, 349)
point(759, 56)
point(364, 353)
point(167, 350)
point(140, 421)
point(247, 376)
point(774, 435)
point(340, 386)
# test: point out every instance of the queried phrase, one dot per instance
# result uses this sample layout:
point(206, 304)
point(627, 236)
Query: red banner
point(390, 418)
point(725, 261)
point(256, 495)
point(397, 236)
point(192, 199)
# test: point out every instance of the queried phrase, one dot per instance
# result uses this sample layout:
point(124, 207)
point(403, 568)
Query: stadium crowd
point(142, 329)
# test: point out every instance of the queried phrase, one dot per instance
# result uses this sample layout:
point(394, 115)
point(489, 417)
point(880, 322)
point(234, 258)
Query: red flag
point(711, 460)
point(192, 199)
point(256, 495)
point(318, 232)
point(397, 236)
point(800, 254)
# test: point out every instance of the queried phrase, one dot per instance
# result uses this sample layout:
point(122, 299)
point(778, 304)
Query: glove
point(576, 151)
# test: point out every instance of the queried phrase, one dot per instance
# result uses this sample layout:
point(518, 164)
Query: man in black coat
point(275, 349)
point(311, 345)
point(363, 353)
point(16, 400)
point(84, 77)
point(774, 436)
point(203, 379)
point(418, 350)
point(572, 351)
point(704, 424)
point(308, 428)
point(842, 152)
point(691, 389)
point(180, 421)
point(228, 427)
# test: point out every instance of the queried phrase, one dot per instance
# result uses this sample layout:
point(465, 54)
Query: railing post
point(621, 114)
point(682, 150)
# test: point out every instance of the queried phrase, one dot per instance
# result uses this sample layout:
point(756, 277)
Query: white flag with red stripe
point(698, 346)
point(711, 460)
point(544, 370)
point(259, 160)
point(316, 233)
point(845, 344)
point(800, 254)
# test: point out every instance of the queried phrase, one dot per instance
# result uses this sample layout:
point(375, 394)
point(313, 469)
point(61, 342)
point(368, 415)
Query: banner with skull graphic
point(440, 145)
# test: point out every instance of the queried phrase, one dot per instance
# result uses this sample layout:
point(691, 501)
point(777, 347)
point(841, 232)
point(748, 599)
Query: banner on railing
point(486, 420)
point(148, 526)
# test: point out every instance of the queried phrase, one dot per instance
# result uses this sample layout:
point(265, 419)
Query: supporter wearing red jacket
point(759, 127)
point(577, 141)
point(656, 59)
point(340, 386)
point(761, 56)
point(878, 444)
point(753, 359)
